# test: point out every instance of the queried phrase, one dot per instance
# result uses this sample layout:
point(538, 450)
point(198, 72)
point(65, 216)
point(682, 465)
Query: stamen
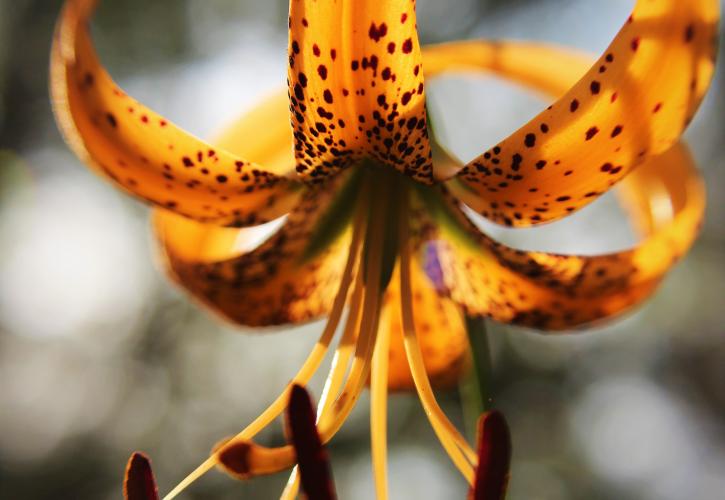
point(344, 351)
point(338, 369)
point(292, 487)
point(455, 445)
point(258, 459)
point(309, 367)
point(360, 370)
point(312, 457)
point(379, 414)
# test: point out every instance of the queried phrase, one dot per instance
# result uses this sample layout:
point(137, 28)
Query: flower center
point(380, 241)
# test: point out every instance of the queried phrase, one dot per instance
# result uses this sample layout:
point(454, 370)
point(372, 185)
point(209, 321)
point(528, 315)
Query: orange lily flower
point(370, 207)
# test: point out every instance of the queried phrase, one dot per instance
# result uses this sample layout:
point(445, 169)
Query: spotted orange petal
point(441, 331)
point(632, 104)
point(554, 291)
point(143, 152)
point(280, 281)
point(268, 123)
point(356, 86)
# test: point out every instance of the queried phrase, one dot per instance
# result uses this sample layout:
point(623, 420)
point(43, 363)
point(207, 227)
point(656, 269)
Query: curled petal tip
point(312, 459)
point(139, 482)
point(494, 457)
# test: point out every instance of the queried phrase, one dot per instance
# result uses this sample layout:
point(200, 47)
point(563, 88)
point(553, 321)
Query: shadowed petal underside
point(143, 152)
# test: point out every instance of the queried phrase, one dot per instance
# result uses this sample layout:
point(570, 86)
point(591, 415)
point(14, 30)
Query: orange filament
point(460, 452)
point(309, 367)
point(263, 460)
point(336, 376)
point(379, 414)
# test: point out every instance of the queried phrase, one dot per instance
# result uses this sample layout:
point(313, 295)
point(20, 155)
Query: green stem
point(476, 387)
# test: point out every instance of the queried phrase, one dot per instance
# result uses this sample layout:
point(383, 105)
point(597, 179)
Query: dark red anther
point(139, 482)
point(312, 459)
point(494, 458)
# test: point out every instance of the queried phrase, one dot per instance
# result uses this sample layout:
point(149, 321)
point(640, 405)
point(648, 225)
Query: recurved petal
point(554, 291)
point(356, 86)
point(291, 277)
point(268, 124)
point(143, 152)
point(632, 104)
point(441, 331)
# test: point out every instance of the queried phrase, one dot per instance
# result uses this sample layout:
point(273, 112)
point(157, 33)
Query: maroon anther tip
point(494, 458)
point(139, 482)
point(312, 460)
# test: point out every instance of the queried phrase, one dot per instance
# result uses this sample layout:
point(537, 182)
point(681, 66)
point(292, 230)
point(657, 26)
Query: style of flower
point(371, 207)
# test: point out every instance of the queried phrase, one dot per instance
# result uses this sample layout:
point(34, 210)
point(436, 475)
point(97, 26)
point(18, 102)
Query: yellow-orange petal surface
point(554, 291)
point(142, 151)
point(356, 86)
point(441, 331)
point(274, 283)
point(633, 103)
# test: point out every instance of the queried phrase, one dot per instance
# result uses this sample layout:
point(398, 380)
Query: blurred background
point(100, 355)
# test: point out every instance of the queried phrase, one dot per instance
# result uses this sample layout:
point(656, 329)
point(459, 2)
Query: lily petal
point(356, 87)
point(554, 291)
point(268, 124)
point(441, 331)
point(143, 152)
point(632, 104)
point(280, 281)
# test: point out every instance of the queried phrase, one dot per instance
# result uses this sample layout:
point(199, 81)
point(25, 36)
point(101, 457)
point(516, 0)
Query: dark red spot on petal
point(377, 32)
point(689, 33)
